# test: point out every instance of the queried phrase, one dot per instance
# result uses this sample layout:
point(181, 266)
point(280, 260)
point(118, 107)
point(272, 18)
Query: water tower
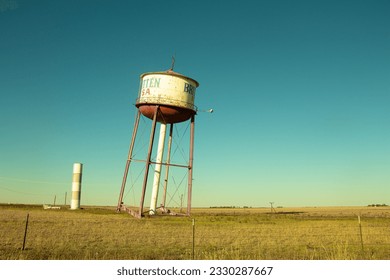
point(166, 98)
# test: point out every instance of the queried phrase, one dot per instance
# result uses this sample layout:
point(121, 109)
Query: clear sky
point(300, 92)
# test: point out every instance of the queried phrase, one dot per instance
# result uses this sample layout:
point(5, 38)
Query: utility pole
point(272, 207)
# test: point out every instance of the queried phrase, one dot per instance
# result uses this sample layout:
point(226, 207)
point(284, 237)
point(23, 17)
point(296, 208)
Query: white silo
point(166, 98)
point(76, 186)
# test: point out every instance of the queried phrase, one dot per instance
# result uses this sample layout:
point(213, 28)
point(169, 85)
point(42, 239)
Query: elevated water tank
point(175, 93)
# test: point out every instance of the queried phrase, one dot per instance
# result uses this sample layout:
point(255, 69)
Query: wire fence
point(102, 234)
point(294, 242)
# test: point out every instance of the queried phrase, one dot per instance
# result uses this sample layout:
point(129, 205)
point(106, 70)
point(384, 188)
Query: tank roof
point(170, 73)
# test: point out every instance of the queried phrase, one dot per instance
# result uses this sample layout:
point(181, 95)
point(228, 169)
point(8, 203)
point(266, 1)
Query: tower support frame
point(141, 213)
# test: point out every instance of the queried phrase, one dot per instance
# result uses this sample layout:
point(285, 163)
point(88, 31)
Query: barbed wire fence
point(201, 238)
point(290, 242)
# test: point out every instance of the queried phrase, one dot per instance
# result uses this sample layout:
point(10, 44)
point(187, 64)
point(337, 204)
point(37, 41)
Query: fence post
point(193, 239)
point(361, 234)
point(25, 232)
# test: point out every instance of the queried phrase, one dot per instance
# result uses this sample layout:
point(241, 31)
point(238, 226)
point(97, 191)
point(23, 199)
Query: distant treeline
point(230, 207)
point(377, 205)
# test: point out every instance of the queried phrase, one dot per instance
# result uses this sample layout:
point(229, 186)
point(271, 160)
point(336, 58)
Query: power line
point(31, 181)
point(26, 193)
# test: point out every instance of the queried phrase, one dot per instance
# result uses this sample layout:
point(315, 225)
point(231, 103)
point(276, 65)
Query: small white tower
point(76, 186)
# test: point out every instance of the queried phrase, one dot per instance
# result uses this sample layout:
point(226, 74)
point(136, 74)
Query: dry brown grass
point(292, 233)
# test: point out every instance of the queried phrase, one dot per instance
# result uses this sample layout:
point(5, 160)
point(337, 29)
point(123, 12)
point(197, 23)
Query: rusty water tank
point(173, 92)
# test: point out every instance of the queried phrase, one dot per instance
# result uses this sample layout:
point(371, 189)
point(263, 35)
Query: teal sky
point(300, 92)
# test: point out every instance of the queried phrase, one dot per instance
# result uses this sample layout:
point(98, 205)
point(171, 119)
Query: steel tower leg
point(190, 164)
point(141, 206)
point(120, 200)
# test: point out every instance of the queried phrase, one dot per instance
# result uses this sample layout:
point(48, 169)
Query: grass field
point(331, 233)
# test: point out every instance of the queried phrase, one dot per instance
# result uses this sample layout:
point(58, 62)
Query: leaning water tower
point(166, 98)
